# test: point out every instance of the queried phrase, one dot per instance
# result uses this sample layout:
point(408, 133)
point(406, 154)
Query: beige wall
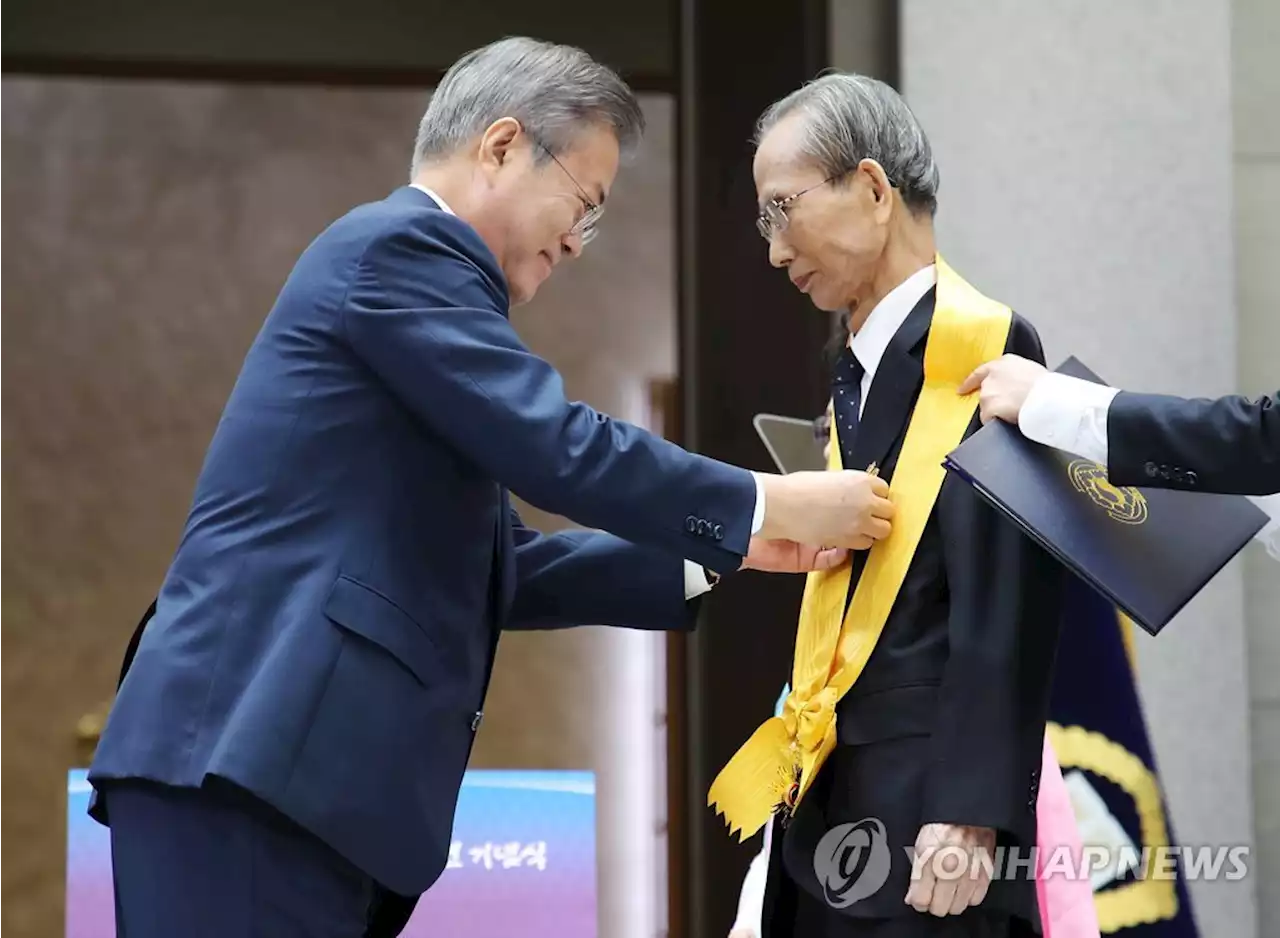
point(147, 229)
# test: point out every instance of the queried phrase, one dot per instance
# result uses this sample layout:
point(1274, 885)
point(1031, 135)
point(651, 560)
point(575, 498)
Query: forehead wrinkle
point(786, 177)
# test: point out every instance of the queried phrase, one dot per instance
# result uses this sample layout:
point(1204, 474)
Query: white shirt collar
point(870, 341)
point(444, 206)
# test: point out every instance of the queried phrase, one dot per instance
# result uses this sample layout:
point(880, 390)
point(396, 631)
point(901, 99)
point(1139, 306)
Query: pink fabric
point(1066, 900)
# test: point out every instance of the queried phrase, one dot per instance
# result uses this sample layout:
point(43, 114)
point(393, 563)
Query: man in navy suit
point(285, 752)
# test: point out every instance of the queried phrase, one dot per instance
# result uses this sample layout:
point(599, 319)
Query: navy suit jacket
point(326, 631)
point(1230, 445)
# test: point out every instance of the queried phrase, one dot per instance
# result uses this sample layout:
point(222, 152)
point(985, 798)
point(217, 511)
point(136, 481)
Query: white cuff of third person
point(757, 518)
point(696, 581)
point(1068, 414)
point(1269, 536)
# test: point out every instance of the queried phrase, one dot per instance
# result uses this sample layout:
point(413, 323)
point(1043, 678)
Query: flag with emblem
point(1100, 737)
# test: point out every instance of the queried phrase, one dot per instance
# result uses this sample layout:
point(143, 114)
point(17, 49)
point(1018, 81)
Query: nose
point(571, 245)
point(780, 253)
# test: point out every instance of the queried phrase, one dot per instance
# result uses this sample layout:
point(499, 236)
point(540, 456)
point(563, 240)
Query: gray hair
point(849, 118)
point(554, 91)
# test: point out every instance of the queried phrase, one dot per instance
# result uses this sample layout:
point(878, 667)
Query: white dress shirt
point(874, 335)
point(751, 897)
point(1071, 414)
point(696, 581)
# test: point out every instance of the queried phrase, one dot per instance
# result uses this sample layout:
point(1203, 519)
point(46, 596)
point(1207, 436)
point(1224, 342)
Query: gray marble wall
point(1255, 37)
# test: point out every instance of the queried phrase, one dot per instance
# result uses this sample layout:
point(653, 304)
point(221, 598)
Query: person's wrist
point(777, 506)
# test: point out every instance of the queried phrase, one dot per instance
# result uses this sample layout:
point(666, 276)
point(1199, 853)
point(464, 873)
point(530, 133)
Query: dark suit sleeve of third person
point(1230, 445)
point(592, 578)
point(425, 310)
point(1005, 595)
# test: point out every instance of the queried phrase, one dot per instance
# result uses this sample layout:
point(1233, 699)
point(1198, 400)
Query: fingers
point(986, 409)
point(980, 887)
point(949, 872)
point(877, 528)
point(882, 508)
point(830, 557)
point(879, 487)
point(944, 892)
point(920, 895)
point(963, 893)
point(975, 379)
point(956, 891)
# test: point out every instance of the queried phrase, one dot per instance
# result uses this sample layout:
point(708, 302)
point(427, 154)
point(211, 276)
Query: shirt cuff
point(1269, 536)
point(1068, 414)
point(757, 519)
point(696, 581)
point(751, 896)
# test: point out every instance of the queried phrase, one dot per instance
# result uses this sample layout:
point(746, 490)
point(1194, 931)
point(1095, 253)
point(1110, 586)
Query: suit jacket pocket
point(364, 611)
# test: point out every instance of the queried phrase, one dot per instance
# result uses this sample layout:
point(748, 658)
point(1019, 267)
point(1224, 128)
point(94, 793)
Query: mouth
point(802, 283)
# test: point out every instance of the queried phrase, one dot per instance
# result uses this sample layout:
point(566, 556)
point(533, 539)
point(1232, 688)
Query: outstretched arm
point(592, 578)
point(1230, 445)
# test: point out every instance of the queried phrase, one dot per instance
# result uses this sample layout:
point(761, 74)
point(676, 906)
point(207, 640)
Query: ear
point(498, 141)
point(879, 187)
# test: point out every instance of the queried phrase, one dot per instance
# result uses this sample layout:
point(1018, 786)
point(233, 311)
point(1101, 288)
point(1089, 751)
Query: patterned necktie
point(846, 398)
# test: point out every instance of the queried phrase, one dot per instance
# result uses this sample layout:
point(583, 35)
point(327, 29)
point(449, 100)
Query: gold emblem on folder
point(1125, 505)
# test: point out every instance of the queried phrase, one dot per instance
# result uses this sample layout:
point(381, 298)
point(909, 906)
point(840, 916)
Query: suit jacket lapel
point(893, 389)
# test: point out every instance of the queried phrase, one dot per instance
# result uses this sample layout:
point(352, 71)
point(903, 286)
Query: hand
point(847, 509)
point(961, 883)
point(782, 556)
point(1005, 384)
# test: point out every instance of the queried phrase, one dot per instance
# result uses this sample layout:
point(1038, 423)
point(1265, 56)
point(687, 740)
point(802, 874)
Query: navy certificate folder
point(1147, 550)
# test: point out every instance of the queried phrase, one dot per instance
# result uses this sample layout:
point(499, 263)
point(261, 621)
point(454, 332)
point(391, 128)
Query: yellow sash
point(776, 766)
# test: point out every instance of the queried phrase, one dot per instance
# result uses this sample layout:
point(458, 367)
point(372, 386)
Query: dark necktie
point(846, 397)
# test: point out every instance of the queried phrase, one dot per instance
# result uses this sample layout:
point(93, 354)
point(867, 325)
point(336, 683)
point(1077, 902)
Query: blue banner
point(1100, 737)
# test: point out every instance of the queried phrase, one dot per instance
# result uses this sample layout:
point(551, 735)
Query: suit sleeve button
point(691, 524)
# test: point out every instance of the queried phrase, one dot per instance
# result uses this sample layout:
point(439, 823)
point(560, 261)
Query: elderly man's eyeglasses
point(773, 215)
point(584, 227)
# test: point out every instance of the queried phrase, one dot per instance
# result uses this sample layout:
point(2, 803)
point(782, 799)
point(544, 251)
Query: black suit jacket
point(946, 722)
point(1230, 446)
